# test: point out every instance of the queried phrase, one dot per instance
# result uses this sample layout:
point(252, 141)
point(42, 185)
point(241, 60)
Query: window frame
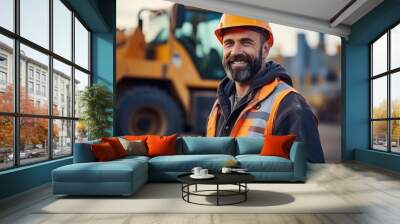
point(388, 74)
point(3, 71)
point(16, 114)
point(3, 77)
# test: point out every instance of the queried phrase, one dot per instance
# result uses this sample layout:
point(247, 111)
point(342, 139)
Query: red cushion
point(116, 145)
point(277, 145)
point(161, 145)
point(103, 151)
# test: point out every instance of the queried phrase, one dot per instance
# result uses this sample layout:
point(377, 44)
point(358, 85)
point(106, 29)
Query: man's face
point(243, 54)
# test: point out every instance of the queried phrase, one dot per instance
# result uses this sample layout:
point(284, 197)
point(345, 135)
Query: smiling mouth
point(238, 64)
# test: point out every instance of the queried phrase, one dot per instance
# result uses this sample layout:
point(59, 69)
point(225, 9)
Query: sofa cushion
point(249, 145)
point(161, 145)
point(116, 145)
point(277, 145)
point(185, 163)
point(131, 158)
point(103, 152)
point(257, 163)
point(111, 171)
point(134, 147)
point(206, 145)
point(135, 137)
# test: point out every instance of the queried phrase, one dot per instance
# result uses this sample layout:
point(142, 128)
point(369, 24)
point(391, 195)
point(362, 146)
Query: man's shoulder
point(294, 101)
point(294, 107)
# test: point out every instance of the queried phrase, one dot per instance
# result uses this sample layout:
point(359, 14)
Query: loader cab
point(192, 28)
point(155, 27)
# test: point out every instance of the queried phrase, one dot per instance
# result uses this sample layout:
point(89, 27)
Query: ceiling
point(327, 16)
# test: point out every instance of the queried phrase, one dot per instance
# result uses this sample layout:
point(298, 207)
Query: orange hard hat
point(230, 21)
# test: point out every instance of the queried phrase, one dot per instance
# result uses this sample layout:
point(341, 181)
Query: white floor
point(378, 189)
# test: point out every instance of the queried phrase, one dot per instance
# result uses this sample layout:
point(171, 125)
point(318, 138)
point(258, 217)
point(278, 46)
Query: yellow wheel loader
point(167, 71)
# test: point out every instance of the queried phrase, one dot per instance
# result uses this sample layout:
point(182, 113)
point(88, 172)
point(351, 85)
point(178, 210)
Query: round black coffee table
point(238, 179)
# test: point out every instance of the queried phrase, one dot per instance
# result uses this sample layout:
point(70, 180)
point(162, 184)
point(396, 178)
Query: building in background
point(34, 81)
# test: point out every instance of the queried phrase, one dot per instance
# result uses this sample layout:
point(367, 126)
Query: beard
point(245, 74)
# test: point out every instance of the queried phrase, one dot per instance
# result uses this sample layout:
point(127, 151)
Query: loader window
point(197, 36)
point(156, 28)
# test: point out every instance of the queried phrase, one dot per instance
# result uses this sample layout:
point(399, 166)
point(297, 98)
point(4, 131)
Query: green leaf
point(97, 104)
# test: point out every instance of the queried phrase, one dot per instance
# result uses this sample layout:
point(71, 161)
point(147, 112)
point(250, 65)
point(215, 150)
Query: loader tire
point(148, 110)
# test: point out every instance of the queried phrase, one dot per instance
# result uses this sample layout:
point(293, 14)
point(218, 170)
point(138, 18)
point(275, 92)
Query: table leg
point(217, 194)
point(188, 189)
point(196, 188)
point(182, 188)
point(245, 193)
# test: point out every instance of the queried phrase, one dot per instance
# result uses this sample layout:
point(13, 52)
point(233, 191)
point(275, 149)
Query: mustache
point(238, 57)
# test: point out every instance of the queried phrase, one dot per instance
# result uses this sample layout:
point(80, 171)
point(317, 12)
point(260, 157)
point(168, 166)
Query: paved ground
point(330, 135)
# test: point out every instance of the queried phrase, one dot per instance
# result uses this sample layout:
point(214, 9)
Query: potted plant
point(96, 102)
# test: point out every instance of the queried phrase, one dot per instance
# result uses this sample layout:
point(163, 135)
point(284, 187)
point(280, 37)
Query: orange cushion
point(277, 145)
point(103, 151)
point(135, 137)
point(116, 145)
point(161, 145)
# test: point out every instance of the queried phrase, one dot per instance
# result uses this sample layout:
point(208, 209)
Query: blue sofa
point(125, 176)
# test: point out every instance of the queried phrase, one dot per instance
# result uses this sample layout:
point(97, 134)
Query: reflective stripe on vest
point(212, 120)
point(258, 118)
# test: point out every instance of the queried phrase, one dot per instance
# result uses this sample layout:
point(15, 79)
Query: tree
point(97, 103)
point(6, 122)
point(380, 127)
point(6, 132)
point(33, 131)
point(395, 124)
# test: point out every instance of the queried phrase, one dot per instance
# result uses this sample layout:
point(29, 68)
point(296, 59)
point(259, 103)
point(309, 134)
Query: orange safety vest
point(258, 118)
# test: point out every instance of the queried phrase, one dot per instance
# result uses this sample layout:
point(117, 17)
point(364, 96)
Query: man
point(256, 98)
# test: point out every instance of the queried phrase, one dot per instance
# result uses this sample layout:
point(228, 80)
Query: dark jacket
point(294, 114)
